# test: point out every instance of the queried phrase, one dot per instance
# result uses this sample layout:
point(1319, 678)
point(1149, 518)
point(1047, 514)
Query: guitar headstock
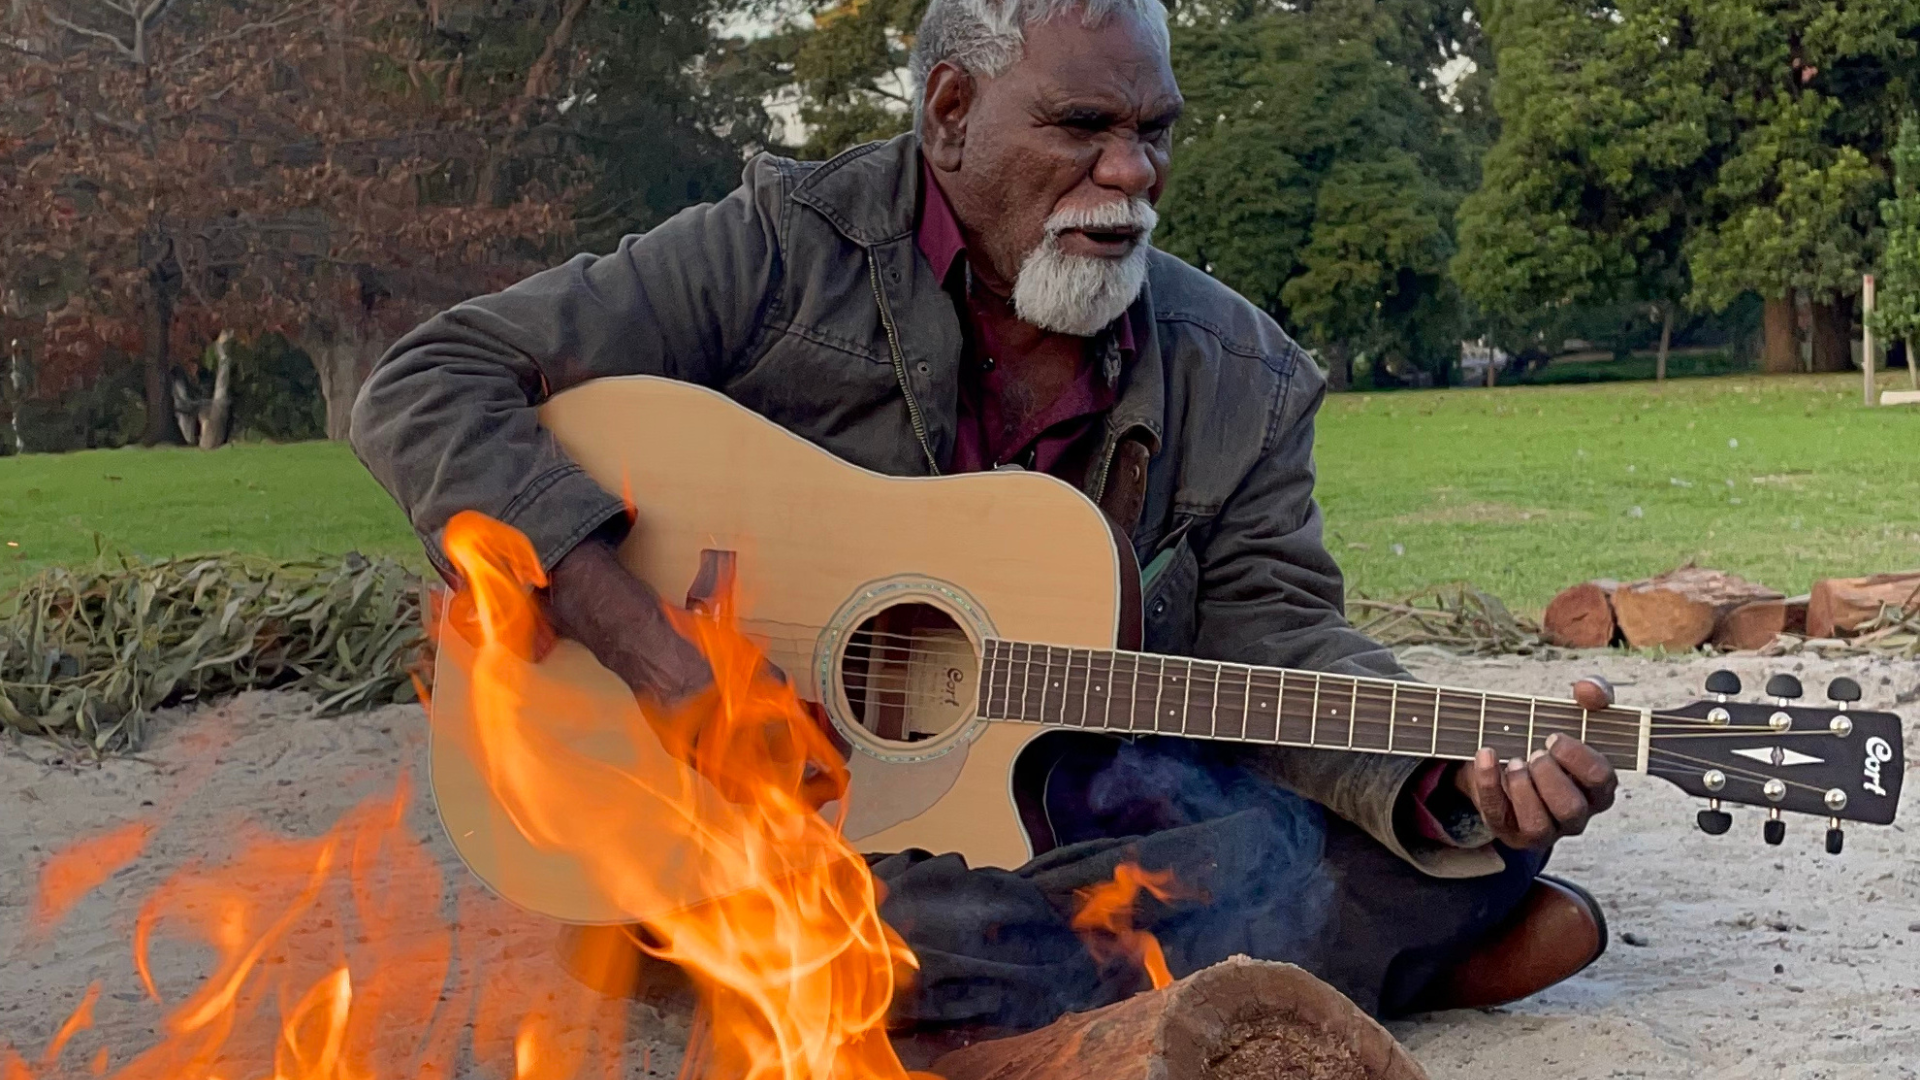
point(1834, 762)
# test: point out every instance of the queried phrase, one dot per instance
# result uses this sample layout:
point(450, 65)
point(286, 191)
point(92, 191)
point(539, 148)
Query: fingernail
point(1554, 739)
point(1485, 757)
point(1515, 765)
point(1536, 755)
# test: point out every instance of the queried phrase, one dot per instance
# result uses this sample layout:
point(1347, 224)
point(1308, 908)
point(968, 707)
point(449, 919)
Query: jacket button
point(1159, 607)
point(921, 367)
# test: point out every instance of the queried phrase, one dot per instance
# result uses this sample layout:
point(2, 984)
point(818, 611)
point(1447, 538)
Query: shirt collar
point(939, 238)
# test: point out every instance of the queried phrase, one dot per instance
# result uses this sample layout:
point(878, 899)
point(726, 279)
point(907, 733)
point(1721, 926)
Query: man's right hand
point(594, 600)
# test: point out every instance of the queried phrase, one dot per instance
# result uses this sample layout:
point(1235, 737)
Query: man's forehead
point(1121, 64)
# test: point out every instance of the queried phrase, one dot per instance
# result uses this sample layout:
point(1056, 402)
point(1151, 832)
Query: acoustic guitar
point(953, 627)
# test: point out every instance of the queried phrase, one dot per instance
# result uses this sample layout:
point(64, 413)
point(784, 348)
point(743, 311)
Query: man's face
point(1078, 128)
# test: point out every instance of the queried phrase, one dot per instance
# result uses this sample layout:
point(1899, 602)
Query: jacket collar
point(870, 193)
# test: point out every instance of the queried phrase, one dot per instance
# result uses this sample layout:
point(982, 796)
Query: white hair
point(986, 37)
point(1080, 294)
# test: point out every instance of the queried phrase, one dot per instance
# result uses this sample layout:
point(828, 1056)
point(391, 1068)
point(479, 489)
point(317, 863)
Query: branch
point(125, 49)
point(294, 15)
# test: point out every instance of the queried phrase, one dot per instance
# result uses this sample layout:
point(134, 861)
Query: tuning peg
point(1843, 690)
point(1835, 838)
point(1723, 683)
point(1714, 821)
point(1784, 687)
point(1775, 830)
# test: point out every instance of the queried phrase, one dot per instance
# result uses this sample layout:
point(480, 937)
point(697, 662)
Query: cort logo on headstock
point(1878, 752)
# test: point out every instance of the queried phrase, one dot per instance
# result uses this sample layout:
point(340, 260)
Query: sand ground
point(1730, 959)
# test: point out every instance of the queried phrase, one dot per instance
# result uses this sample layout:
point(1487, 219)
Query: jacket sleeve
point(447, 421)
point(1271, 594)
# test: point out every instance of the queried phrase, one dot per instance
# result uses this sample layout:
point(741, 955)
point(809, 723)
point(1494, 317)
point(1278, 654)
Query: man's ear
point(943, 115)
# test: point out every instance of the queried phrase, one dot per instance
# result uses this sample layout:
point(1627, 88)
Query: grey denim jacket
point(803, 296)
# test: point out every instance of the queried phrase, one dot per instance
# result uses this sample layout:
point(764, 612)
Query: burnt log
point(1581, 617)
point(1840, 606)
point(1755, 624)
point(1679, 609)
point(1237, 1020)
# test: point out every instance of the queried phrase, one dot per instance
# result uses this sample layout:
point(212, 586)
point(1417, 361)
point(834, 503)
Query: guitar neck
point(1145, 693)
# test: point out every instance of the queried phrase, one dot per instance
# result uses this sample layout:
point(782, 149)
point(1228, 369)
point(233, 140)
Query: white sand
point(1756, 962)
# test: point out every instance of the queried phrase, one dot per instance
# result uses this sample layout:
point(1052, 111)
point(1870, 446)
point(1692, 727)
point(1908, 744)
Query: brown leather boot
point(1557, 930)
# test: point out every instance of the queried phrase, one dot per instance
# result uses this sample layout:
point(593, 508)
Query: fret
point(990, 671)
point(1263, 705)
point(1133, 692)
point(1172, 721)
point(1294, 719)
point(1456, 720)
point(1560, 719)
point(1393, 716)
point(1434, 750)
point(1481, 740)
point(1313, 734)
point(1026, 677)
point(1373, 699)
point(1532, 705)
point(1049, 689)
point(1141, 716)
point(1102, 689)
point(1509, 736)
point(1205, 701)
point(1246, 700)
point(1159, 691)
point(1073, 701)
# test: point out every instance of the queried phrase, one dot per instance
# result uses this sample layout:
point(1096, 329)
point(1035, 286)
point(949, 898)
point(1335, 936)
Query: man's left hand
point(1532, 803)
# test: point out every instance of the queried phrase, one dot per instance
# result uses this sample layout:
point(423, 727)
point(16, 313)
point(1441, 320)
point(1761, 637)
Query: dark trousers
point(1259, 871)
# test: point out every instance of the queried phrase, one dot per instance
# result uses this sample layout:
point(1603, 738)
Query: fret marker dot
point(1504, 727)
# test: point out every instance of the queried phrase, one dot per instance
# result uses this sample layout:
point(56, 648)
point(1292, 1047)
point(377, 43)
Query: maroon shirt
point(1060, 438)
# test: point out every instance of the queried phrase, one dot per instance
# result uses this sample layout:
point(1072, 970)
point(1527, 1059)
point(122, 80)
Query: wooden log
point(1581, 617)
point(1755, 624)
point(1840, 606)
point(1678, 610)
point(1237, 1020)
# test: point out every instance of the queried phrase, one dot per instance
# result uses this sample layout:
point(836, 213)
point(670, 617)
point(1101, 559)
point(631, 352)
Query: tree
point(844, 66)
point(1897, 314)
point(1317, 175)
point(1600, 172)
point(208, 165)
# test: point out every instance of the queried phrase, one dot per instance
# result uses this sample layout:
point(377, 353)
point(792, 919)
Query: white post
point(1866, 341)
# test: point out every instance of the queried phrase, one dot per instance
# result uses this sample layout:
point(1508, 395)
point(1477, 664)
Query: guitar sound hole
point(909, 674)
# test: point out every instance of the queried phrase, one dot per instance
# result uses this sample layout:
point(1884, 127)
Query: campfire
point(350, 956)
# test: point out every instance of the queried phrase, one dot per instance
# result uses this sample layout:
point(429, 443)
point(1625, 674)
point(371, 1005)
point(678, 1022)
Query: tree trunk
point(1339, 368)
point(1666, 338)
point(1913, 369)
point(215, 414)
point(1832, 334)
point(1780, 354)
point(18, 380)
point(1238, 1018)
point(341, 358)
point(163, 286)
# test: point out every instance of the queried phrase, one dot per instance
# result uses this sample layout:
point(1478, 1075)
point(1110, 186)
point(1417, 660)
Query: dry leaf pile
point(86, 655)
point(1456, 617)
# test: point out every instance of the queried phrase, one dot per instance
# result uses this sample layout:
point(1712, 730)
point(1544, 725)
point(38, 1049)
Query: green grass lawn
point(288, 501)
point(1525, 490)
point(1520, 490)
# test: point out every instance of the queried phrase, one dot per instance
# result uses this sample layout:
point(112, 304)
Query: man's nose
point(1126, 166)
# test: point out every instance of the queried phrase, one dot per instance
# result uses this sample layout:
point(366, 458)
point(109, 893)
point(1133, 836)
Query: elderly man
point(981, 294)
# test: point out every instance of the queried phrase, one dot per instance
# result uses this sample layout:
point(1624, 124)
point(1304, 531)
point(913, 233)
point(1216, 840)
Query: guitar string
point(895, 683)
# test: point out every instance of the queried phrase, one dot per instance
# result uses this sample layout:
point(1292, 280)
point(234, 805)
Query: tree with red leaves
point(173, 169)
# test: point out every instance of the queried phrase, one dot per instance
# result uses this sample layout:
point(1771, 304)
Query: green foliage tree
point(1317, 172)
point(844, 64)
point(1897, 305)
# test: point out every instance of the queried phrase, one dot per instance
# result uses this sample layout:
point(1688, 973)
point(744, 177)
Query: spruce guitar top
point(946, 624)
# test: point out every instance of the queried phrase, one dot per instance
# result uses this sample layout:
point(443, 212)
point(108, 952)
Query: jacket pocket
point(1170, 596)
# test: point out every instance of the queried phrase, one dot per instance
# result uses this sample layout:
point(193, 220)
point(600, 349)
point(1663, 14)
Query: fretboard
point(1144, 693)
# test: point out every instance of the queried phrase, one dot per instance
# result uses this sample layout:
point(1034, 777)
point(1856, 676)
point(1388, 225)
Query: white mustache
point(1135, 215)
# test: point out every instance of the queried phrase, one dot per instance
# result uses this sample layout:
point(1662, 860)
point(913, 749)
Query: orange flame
point(80, 868)
point(716, 845)
point(1105, 919)
point(344, 957)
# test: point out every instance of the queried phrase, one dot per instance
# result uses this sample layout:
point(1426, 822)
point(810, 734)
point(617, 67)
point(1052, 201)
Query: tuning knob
point(1843, 690)
point(1714, 821)
point(1724, 683)
point(1784, 687)
point(1775, 830)
point(1835, 838)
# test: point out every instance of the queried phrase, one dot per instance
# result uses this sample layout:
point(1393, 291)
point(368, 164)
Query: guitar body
point(832, 559)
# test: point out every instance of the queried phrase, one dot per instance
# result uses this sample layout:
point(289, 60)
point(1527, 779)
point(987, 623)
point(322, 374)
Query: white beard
point(1081, 294)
